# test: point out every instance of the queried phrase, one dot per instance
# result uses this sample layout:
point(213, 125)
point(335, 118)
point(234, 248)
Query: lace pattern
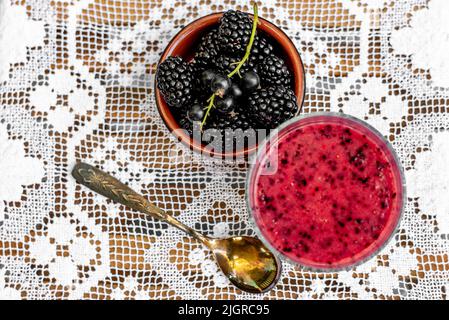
point(76, 83)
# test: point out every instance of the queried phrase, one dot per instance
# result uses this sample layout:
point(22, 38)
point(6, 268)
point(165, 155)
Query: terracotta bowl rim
point(163, 108)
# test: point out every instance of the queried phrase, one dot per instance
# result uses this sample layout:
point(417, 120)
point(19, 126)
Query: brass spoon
point(247, 263)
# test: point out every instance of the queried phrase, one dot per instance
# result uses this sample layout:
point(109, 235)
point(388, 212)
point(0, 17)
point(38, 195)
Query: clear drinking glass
point(270, 144)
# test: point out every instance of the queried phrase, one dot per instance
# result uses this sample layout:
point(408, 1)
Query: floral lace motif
point(16, 169)
point(15, 25)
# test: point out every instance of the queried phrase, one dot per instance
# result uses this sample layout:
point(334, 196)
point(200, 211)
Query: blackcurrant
point(220, 85)
point(196, 113)
point(235, 91)
point(206, 78)
point(225, 105)
point(250, 81)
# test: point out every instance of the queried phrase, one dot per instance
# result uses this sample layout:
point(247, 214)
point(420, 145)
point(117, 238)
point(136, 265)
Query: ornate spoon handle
point(111, 188)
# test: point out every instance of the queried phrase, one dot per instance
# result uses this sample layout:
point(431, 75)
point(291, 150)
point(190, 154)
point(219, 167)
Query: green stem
point(239, 64)
point(209, 107)
point(250, 43)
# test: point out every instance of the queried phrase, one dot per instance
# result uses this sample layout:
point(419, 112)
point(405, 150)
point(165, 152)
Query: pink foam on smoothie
point(335, 197)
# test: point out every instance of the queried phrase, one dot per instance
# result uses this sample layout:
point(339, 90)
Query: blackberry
point(228, 126)
point(224, 64)
point(208, 50)
point(186, 124)
point(234, 31)
point(260, 50)
point(233, 120)
point(175, 80)
point(273, 71)
point(201, 83)
point(227, 63)
point(242, 121)
point(273, 105)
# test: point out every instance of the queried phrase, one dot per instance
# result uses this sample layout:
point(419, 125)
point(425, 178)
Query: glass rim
point(273, 135)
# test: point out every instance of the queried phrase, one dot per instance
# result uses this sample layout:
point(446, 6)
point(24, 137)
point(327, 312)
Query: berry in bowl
point(224, 75)
point(326, 191)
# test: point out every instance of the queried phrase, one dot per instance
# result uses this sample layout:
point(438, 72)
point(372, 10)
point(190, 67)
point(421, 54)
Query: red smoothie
point(327, 193)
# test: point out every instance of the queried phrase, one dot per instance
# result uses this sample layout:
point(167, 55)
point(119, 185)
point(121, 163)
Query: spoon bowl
point(247, 263)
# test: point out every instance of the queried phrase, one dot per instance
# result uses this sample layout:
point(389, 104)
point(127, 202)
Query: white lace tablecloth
point(76, 83)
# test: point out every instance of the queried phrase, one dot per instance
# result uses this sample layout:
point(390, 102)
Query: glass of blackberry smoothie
point(326, 191)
